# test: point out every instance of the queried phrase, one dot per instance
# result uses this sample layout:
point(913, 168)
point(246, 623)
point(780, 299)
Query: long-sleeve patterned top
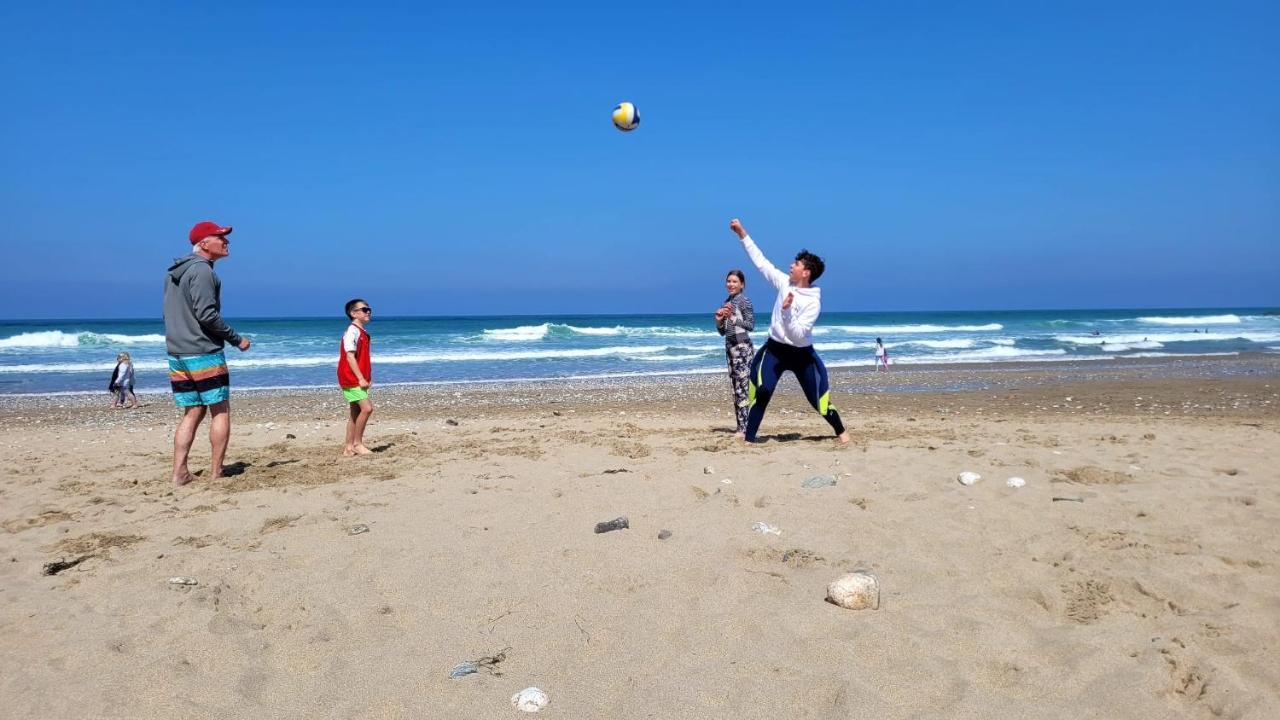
point(741, 321)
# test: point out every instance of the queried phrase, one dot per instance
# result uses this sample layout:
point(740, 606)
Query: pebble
point(708, 470)
point(530, 699)
point(619, 523)
point(968, 478)
point(765, 528)
point(358, 529)
point(820, 481)
point(179, 580)
point(1015, 482)
point(664, 534)
point(858, 590)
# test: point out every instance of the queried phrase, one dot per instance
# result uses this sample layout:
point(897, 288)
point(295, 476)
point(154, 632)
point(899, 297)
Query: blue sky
point(460, 160)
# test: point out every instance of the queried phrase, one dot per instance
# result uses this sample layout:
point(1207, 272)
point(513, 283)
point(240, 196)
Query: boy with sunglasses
point(355, 374)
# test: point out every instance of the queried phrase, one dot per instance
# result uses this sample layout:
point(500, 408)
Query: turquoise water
point(78, 356)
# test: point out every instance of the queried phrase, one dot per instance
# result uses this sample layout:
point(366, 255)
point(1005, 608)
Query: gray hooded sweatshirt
point(193, 322)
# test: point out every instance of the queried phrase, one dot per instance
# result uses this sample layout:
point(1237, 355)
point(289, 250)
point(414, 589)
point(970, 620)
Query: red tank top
point(346, 378)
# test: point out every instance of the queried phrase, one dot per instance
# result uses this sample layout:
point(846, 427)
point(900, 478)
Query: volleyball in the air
point(625, 117)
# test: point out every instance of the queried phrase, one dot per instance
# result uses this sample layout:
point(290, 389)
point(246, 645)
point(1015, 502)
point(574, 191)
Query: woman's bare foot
point(183, 479)
point(844, 437)
point(740, 435)
point(348, 452)
point(362, 450)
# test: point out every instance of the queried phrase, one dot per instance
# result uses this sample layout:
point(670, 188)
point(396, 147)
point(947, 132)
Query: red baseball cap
point(207, 228)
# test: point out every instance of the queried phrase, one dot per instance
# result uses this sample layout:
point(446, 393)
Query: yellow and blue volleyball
point(625, 117)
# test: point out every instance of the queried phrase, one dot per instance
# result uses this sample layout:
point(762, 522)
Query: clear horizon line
point(1275, 309)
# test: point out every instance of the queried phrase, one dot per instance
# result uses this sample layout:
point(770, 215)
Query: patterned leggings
point(739, 355)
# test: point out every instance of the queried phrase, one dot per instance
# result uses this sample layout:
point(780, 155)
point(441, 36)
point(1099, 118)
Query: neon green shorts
point(355, 394)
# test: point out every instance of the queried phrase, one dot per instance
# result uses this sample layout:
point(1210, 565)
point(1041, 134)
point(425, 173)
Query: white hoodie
point(794, 325)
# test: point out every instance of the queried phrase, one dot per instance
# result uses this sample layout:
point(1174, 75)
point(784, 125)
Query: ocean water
point(78, 356)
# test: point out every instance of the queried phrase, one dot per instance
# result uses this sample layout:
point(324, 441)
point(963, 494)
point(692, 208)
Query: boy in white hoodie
point(790, 344)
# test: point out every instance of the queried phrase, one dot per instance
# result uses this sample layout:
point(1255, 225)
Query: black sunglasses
point(364, 310)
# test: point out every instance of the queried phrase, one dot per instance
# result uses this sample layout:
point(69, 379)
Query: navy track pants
point(775, 358)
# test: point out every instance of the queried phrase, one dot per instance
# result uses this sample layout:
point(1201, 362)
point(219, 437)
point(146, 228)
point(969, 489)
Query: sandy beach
point(1136, 575)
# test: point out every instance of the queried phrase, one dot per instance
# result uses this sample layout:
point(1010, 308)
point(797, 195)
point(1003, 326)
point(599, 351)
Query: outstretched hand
point(736, 226)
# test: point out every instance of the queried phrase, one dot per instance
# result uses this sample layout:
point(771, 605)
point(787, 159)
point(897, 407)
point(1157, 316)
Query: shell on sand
point(968, 478)
point(858, 590)
point(530, 699)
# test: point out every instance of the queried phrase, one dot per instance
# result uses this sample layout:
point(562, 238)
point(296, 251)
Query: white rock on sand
point(530, 699)
point(858, 590)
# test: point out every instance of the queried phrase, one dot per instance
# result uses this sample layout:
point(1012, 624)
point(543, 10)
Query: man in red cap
point(195, 335)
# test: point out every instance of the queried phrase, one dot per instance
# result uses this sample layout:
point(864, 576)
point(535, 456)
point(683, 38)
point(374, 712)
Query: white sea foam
point(674, 358)
point(1129, 339)
point(991, 354)
point(518, 334)
point(596, 330)
point(1123, 347)
point(955, 344)
point(529, 333)
point(389, 359)
point(1193, 320)
point(59, 339)
point(984, 355)
point(911, 329)
point(1180, 355)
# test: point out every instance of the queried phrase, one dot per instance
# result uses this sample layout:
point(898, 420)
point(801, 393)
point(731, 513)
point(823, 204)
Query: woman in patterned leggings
point(734, 320)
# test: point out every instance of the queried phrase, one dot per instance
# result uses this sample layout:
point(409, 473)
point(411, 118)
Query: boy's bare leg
point(219, 434)
point(366, 409)
point(349, 447)
point(182, 439)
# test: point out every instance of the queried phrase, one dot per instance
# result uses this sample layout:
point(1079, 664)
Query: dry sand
point(1158, 596)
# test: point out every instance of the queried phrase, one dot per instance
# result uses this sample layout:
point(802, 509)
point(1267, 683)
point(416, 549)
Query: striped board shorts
point(199, 379)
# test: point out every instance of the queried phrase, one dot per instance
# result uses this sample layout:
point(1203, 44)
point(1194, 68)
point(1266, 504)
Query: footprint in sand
point(1090, 475)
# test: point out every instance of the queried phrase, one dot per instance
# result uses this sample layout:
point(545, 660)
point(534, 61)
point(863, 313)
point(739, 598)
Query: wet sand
point(1151, 593)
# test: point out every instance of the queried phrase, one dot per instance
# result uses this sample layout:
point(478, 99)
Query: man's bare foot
point(362, 450)
point(844, 437)
point(183, 479)
point(348, 452)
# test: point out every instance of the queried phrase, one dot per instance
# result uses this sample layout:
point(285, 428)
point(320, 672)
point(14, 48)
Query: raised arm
point(776, 277)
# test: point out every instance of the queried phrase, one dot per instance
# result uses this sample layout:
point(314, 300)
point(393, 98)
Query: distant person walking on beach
point(195, 335)
point(734, 320)
point(122, 382)
point(882, 357)
point(355, 375)
point(790, 344)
